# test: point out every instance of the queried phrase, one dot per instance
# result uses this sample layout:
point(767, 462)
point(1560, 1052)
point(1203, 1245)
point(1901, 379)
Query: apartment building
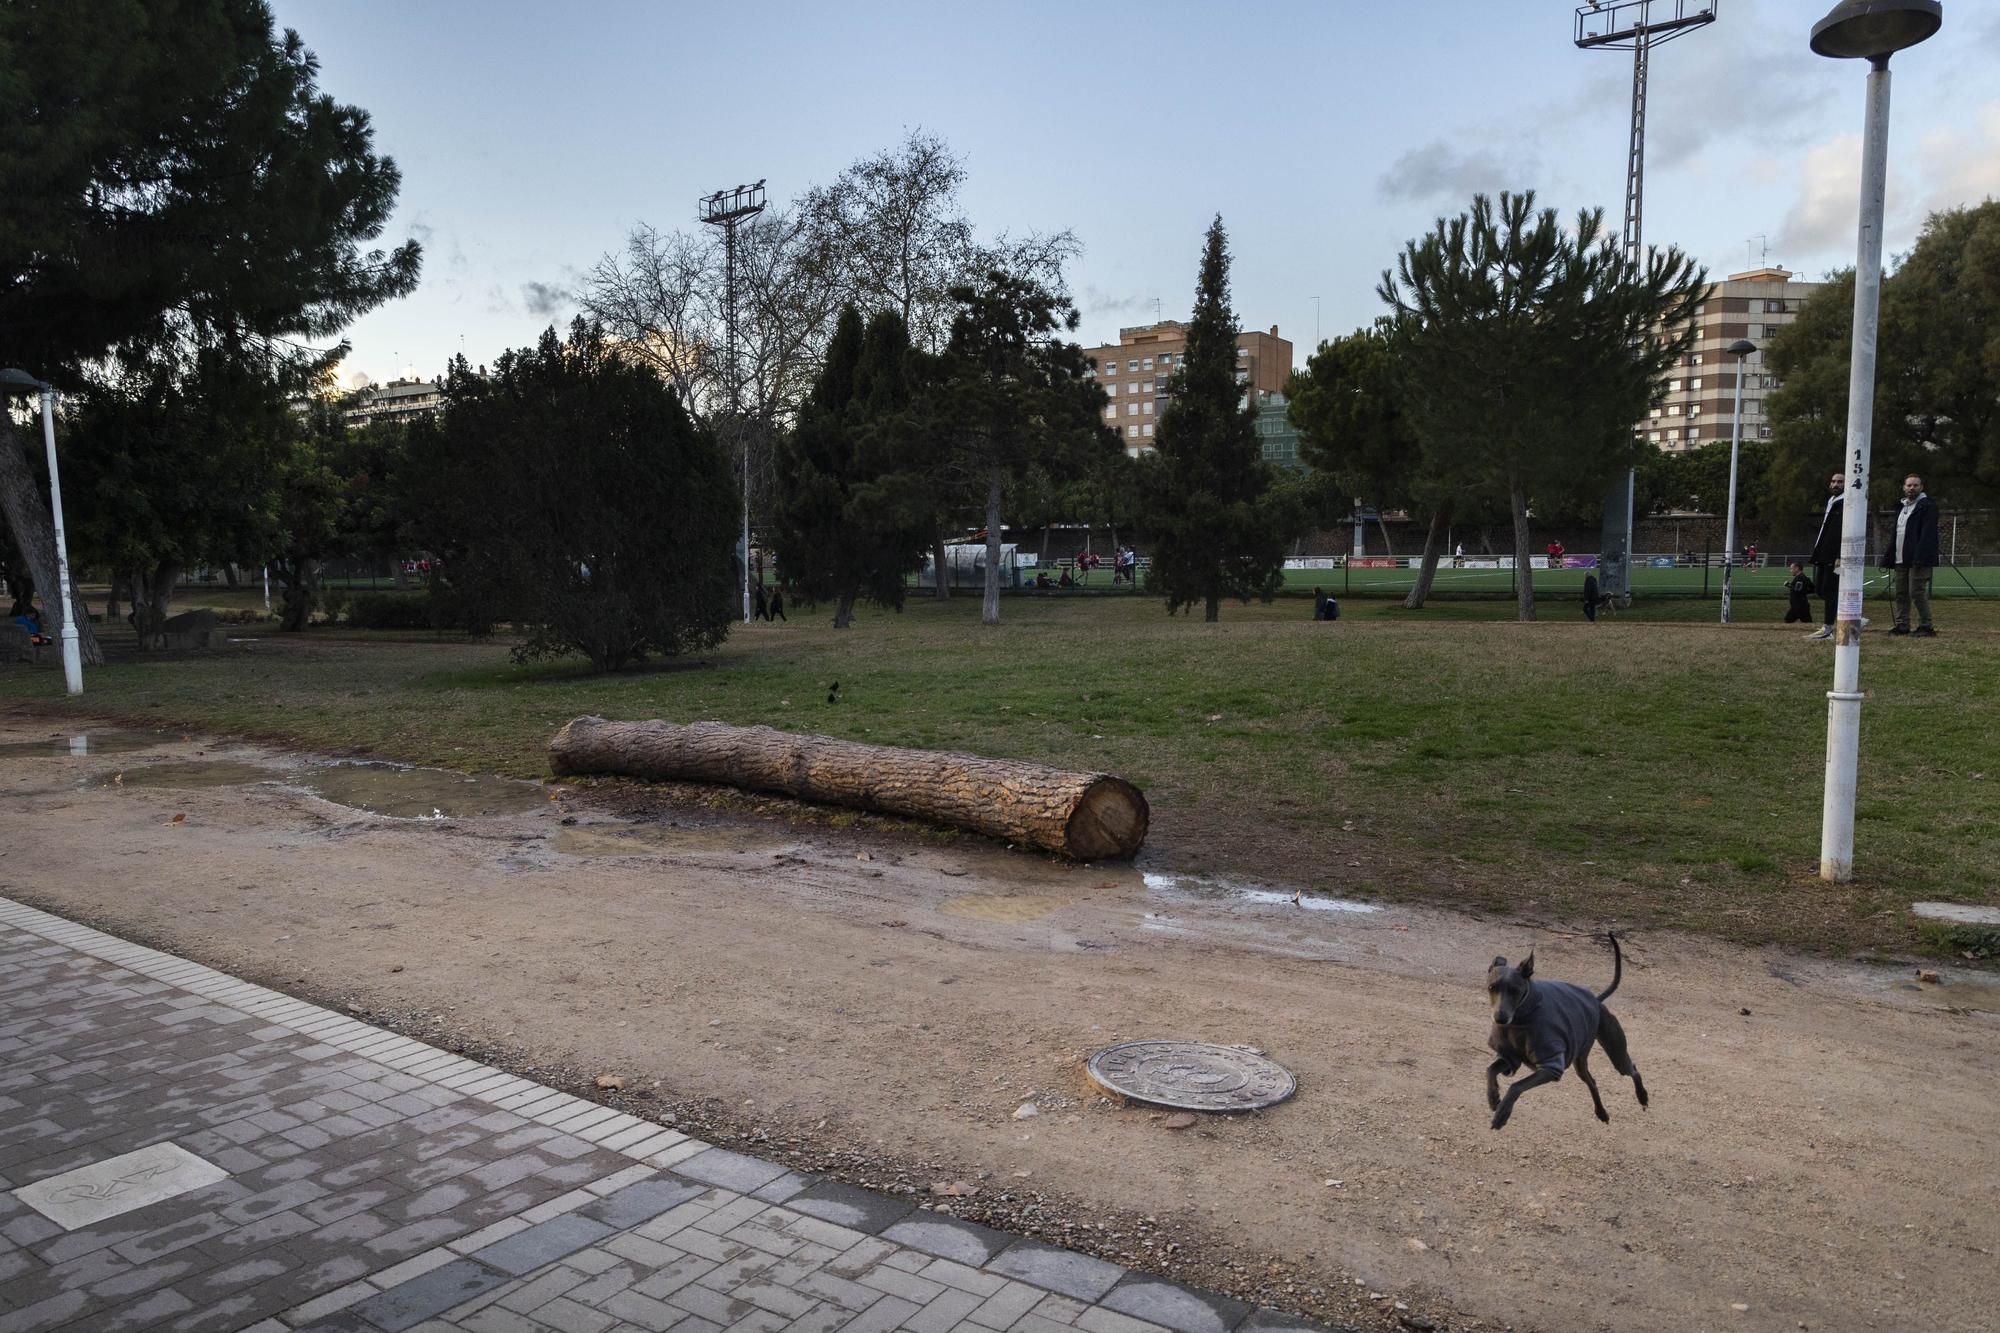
point(1134, 372)
point(398, 400)
point(1701, 392)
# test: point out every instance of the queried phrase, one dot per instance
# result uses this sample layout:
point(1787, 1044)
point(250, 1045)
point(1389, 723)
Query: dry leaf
point(177, 819)
point(610, 1081)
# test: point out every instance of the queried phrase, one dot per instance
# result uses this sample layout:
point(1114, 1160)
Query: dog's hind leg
point(1612, 1038)
point(1582, 1067)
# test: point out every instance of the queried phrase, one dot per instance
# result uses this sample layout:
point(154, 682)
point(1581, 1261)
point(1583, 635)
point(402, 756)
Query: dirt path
point(1825, 1159)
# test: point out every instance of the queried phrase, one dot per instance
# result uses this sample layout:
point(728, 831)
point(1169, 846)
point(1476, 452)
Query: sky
point(533, 137)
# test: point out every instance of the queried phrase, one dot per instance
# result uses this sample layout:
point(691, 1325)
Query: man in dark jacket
point(1913, 553)
point(1826, 553)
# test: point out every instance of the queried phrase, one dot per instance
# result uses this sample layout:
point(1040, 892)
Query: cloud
point(1824, 216)
point(1960, 167)
point(1097, 301)
point(1439, 171)
point(546, 300)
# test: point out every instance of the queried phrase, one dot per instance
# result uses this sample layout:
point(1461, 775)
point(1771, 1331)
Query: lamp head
point(1874, 30)
point(1741, 347)
point(15, 380)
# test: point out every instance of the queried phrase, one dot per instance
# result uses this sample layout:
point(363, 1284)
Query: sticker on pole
point(1850, 601)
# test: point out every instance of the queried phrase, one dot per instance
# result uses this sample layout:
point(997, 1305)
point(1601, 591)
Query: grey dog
point(1549, 1026)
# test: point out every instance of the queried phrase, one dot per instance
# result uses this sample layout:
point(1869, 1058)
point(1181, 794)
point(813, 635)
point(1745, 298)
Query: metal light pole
point(724, 209)
point(1636, 26)
point(1739, 349)
point(1871, 30)
point(20, 381)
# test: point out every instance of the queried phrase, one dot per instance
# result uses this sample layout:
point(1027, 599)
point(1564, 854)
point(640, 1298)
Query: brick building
point(1134, 372)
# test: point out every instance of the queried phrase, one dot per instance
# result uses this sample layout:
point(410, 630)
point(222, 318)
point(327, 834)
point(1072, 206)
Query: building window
point(1774, 307)
point(1654, 437)
point(1148, 429)
point(1694, 386)
point(1242, 351)
point(1111, 412)
point(1694, 409)
point(1131, 409)
point(1242, 377)
point(1693, 435)
point(1149, 363)
point(1149, 407)
point(1133, 364)
point(1166, 358)
point(1763, 432)
point(1673, 386)
point(1132, 432)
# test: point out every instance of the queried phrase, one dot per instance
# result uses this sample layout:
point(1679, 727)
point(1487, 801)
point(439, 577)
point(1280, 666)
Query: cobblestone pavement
point(331, 1176)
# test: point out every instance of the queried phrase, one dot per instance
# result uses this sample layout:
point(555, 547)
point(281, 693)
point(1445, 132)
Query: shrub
point(388, 610)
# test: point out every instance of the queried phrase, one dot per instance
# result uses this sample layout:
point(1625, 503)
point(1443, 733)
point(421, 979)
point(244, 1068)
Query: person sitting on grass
point(1799, 587)
point(1042, 580)
point(1592, 598)
point(1065, 581)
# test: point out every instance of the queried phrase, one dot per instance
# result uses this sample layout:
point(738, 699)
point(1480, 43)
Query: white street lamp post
point(1871, 30)
point(72, 646)
point(1739, 349)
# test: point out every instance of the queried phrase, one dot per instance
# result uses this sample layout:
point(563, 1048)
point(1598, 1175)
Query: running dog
point(1549, 1026)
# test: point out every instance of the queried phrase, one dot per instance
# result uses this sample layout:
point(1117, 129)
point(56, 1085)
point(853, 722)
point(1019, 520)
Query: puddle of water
point(651, 839)
point(189, 774)
point(418, 793)
point(1007, 909)
point(1983, 996)
point(1223, 890)
point(85, 744)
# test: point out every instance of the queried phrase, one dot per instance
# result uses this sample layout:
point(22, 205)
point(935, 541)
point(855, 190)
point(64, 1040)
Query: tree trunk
point(230, 577)
point(1214, 611)
point(1524, 574)
point(151, 589)
point(843, 609)
point(943, 590)
point(111, 601)
point(301, 579)
point(989, 610)
point(1382, 526)
point(1087, 816)
point(27, 516)
point(1433, 549)
point(399, 580)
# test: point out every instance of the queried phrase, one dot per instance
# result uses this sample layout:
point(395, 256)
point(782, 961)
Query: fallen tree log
point(1087, 816)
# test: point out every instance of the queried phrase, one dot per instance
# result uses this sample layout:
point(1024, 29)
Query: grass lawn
point(1652, 769)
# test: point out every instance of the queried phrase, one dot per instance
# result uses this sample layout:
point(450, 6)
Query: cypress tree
point(851, 520)
point(1218, 529)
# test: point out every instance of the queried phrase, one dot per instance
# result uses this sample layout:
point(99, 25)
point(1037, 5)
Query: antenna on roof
point(1763, 244)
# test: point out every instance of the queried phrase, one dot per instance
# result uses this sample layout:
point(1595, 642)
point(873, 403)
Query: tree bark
point(1214, 609)
point(1087, 816)
point(989, 610)
point(1524, 574)
point(28, 519)
point(1382, 526)
point(151, 589)
point(1433, 549)
point(843, 609)
point(943, 589)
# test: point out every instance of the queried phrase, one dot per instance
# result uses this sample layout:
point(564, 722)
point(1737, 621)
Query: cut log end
point(1109, 822)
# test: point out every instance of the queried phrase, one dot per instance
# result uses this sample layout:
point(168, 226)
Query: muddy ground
point(1820, 1152)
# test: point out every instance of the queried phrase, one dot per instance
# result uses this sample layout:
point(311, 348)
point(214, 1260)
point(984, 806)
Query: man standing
point(1826, 553)
point(1913, 554)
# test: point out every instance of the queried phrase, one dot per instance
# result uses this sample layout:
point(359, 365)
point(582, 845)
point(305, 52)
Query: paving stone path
point(185, 1151)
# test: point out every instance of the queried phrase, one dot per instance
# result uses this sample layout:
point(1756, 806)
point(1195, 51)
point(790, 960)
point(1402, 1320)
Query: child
point(1800, 587)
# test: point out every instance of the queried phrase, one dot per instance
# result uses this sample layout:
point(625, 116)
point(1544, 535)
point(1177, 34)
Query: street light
point(1871, 30)
point(1739, 349)
point(20, 381)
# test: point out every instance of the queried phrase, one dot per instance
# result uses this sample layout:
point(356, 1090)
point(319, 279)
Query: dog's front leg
point(1534, 1080)
point(1493, 1072)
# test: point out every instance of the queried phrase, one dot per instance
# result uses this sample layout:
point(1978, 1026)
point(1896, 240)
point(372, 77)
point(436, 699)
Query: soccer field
point(1765, 582)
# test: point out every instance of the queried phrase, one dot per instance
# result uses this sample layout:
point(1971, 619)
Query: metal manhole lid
point(1192, 1075)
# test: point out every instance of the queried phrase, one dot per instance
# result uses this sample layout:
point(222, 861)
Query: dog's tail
point(1617, 966)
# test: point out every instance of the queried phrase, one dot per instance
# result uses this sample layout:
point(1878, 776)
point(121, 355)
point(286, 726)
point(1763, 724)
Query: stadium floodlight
point(20, 381)
point(1636, 26)
point(1871, 30)
point(724, 209)
point(1740, 349)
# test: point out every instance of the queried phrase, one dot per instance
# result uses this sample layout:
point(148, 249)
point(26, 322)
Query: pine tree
point(851, 519)
point(1219, 529)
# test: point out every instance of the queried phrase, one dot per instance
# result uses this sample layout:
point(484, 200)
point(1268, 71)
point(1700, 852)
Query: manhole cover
point(1192, 1075)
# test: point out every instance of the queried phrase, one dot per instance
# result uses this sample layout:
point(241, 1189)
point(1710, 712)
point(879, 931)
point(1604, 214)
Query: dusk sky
point(533, 137)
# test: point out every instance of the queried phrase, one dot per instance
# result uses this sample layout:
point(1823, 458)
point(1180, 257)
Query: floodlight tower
point(724, 209)
point(1636, 26)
